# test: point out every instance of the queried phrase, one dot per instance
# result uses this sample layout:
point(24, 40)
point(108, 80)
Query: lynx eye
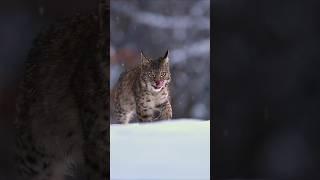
point(150, 74)
point(163, 74)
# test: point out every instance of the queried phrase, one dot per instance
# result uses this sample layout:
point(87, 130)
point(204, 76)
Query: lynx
point(143, 92)
point(62, 110)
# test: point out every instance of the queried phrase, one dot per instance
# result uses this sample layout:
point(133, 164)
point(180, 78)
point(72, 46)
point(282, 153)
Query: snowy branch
point(161, 21)
point(200, 48)
point(200, 8)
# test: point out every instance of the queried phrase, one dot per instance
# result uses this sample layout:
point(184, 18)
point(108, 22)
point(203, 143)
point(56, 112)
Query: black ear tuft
point(165, 58)
point(166, 55)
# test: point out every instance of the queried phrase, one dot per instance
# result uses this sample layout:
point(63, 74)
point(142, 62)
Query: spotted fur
point(143, 92)
point(63, 120)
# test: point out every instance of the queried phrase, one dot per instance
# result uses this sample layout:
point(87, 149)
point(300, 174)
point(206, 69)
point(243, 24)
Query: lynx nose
point(159, 83)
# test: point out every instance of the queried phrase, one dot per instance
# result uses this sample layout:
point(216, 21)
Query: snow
point(167, 150)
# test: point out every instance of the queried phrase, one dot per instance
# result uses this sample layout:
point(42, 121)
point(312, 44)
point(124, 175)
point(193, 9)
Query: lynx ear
point(144, 59)
point(166, 57)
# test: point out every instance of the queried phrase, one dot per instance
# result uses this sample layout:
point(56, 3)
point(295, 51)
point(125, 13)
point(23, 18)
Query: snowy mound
point(170, 150)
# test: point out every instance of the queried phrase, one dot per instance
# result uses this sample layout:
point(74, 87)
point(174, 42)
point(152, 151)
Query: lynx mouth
point(157, 88)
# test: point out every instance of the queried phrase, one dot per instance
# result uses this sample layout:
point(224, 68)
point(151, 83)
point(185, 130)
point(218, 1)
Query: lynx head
point(155, 73)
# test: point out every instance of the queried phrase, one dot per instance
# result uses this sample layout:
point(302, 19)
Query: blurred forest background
point(183, 27)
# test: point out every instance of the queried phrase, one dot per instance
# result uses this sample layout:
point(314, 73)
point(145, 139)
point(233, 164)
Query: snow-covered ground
point(167, 150)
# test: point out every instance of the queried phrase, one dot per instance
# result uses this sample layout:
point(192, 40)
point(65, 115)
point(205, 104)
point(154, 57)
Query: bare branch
point(161, 21)
point(196, 49)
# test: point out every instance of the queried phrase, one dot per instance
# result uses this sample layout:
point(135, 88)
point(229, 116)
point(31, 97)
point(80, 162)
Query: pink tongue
point(159, 84)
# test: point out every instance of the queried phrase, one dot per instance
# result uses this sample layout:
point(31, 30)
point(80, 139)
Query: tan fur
point(135, 97)
point(62, 123)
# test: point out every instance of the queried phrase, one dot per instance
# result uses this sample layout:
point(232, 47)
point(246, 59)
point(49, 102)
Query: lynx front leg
point(145, 114)
point(123, 117)
point(123, 111)
point(96, 152)
point(166, 112)
point(96, 136)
